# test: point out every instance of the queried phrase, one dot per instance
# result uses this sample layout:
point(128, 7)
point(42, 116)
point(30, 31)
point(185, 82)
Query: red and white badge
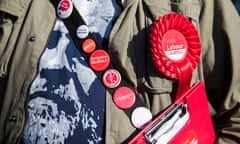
point(99, 60)
point(175, 45)
point(111, 78)
point(124, 97)
point(88, 45)
point(64, 9)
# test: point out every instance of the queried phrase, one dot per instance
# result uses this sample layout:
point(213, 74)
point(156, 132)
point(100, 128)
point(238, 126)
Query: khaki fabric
point(26, 25)
point(29, 24)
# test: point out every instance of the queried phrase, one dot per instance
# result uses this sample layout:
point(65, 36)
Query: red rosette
point(175, 46)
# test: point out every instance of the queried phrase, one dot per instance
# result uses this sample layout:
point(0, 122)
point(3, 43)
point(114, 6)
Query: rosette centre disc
point(174, 45)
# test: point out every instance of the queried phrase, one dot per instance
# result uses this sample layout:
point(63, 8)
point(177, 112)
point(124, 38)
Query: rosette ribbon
point(176, 48)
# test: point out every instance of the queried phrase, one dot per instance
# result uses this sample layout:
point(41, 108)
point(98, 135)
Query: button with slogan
point(124, 97)
point(111, 78)
point(82, 31)
point(64, 9)
point(99, 60)
point(88, 45)
point(174, 45)
point(140, 117)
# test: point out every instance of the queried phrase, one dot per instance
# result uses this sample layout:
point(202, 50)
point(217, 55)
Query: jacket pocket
point(11, 15)
point(6, 29)
point(158, 93)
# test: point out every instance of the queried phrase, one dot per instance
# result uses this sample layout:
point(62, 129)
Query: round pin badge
point(82, 31)
point(140, 117)
point(99, 60)
point(124, 97)
point(111, 78)
point(175, 45)
point(64, 9)
point(88, 45)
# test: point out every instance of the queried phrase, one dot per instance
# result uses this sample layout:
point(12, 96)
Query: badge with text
point(99, 60)
point(124, 97)
point(88, 45)
point(82, 31)
point(175, 45)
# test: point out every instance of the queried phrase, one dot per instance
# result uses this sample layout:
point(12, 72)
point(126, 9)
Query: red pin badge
point(124, 97)
point(111, 78)
point(99, 60)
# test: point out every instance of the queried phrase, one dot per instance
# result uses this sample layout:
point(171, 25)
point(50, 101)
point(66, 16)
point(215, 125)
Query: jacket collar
point(15, 8)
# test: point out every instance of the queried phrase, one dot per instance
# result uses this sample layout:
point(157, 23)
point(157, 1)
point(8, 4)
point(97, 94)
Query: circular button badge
point(124, 97)
point(88, 45)
point(99, 60)
point(140, 117)
point(82, 31)
point(174, 45)
point(111, 78)
point(64, 9)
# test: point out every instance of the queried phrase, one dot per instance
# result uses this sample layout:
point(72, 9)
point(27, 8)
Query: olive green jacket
point(25, 27)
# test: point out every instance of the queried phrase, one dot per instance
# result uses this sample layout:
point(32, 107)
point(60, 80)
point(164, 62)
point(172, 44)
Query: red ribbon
point(176, 48)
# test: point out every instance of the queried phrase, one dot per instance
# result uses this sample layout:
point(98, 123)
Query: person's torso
point(67, 100)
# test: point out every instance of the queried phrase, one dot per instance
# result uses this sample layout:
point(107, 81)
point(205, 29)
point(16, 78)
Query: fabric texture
point(67, 100)
point(25, 29)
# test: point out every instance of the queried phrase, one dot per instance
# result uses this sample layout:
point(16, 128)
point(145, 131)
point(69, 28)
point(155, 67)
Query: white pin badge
point(82, 31)
point(141, 116)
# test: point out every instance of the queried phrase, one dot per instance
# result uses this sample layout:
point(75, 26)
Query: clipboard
point(176, 49)
point(196, 127)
